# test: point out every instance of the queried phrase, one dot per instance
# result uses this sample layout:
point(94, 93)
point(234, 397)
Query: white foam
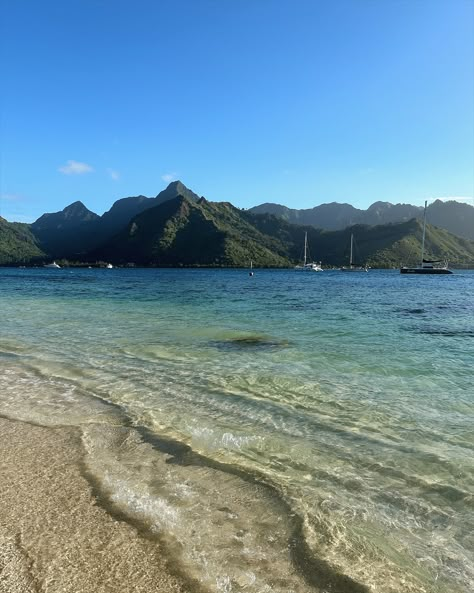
point(208, 439)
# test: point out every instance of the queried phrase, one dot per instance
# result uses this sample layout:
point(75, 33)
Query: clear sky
point(298, 102)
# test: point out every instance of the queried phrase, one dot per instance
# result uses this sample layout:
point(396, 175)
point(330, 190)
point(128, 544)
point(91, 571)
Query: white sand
point(53, 537)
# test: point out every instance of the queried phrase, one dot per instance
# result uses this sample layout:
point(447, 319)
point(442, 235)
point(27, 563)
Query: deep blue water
point(280, 432)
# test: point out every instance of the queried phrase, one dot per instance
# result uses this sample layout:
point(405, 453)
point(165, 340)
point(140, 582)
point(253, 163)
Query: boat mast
point(352, 240)
point(423, 239)
point(305, 247)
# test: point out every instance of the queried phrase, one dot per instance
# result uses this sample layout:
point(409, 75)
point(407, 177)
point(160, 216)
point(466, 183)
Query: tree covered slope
point(182, 231)
point(18, 244)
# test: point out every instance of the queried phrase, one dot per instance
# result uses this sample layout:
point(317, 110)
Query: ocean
point(285, 432)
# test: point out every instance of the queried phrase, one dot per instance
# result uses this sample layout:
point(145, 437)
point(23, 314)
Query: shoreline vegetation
point(54, 536)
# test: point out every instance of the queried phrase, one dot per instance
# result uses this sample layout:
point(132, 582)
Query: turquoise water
point(286, 432)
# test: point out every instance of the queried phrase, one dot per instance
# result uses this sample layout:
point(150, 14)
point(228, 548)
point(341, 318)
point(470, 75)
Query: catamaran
point(353, 267)
point(427, 266)
point(308, 266)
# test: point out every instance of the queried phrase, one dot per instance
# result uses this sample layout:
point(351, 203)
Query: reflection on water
point(282, 434)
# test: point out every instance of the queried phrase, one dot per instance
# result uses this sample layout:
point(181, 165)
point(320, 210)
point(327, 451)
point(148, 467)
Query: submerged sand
point(53, 536)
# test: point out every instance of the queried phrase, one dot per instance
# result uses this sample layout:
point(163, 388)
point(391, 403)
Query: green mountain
point(122, 211)
point(455, 217)
point(183, 231)
point(186, 232)
point(72, 230)
point(177, 228)
point(392, 245)
point(18, 245)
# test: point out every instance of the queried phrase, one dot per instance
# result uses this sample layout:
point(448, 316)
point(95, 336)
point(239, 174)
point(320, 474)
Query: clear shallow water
point(287, 432)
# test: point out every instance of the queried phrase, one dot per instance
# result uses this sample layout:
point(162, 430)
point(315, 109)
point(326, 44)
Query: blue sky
point(298, 102)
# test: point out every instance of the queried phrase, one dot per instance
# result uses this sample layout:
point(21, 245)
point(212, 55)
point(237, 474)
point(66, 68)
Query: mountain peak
point(62, 233)
point(380, 204)
point(75, 213)
point(176, 185)
point(76, 204)
point(77, 209)
point(175, 188)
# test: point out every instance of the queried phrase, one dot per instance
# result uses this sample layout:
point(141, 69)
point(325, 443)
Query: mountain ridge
point(76, 230)
point(184, 231)
point(179, 228)
point(456, 217)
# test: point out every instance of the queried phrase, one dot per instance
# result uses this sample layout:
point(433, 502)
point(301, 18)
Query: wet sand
point(53, 536)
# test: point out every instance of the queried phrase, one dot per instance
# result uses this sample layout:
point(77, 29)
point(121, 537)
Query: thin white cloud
point(169, 177)
point(75, 168)
point(115, 175)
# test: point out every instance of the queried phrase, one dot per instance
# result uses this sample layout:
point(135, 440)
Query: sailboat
point(251, 268)
point(52, 265)
point(308, 266)
point(427, 266)
point(353, 267)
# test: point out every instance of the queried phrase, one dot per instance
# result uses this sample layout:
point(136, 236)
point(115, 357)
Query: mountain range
point(76, 230)
point(455, 217)
point(179, 228)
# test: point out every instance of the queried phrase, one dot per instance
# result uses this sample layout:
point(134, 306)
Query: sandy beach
point(53, 537)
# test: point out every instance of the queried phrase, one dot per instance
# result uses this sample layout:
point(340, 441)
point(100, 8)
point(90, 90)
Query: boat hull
point(309, 268)
point(425, 271)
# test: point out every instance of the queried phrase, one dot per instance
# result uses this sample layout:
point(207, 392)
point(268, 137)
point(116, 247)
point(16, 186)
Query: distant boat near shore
point(353, 267)
point(52, 265)
point(427, 266)
point(308, 266)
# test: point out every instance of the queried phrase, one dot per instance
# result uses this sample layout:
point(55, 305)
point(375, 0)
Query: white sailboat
point(353, 267)
point(52, 265)
point(308, 266)
point(427, 266)
point(251, 268)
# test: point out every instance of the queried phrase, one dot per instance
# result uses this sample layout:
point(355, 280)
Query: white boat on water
point(52, 265)
point(109, 266)
point(308, 266)
point(427, 266)
point(353, 267)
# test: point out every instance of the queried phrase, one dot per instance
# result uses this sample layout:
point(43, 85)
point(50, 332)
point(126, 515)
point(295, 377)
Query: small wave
point(226, 526)
point(448, 493)
point(209, 440)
